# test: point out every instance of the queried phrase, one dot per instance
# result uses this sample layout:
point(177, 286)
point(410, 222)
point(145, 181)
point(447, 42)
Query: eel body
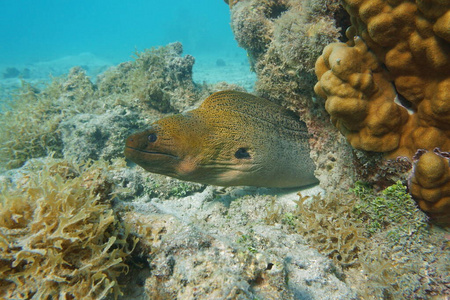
point(232, 139)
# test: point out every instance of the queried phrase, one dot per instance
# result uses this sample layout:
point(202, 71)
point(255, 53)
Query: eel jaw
point(130, 150)
point(153, 161)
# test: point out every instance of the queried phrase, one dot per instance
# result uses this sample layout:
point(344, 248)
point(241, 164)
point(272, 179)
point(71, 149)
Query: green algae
point(393, 211)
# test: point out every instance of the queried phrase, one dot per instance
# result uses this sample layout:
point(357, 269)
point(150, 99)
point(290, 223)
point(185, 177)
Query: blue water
point(33, 31)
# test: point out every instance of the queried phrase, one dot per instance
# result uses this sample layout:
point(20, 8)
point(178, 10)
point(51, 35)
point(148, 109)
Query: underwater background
point(48, 37)
point(34, 31)
point(79, 221)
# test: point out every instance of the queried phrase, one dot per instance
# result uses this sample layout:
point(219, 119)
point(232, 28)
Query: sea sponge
point(59, 237)
point(388, 88)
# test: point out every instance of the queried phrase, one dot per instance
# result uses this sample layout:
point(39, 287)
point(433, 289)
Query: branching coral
point(59, 237)
point(398, 52)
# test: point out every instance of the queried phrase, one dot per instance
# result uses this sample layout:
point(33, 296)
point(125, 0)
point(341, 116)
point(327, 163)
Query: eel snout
point(146, 147)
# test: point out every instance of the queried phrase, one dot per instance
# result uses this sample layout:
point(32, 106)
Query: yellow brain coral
point(398, 55)
point(59, 238)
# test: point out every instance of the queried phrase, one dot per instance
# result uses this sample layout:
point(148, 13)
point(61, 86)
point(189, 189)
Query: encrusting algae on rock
point(233, 138)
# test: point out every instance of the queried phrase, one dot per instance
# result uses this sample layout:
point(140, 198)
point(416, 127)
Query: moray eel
point(232, 139)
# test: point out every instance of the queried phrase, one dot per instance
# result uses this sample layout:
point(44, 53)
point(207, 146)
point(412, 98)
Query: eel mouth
point(128, 148)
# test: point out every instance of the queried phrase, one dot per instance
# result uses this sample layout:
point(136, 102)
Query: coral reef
point(365, 237)
point(30, 122)
point(284, 31)
point(233, 242)
point(196, 241)
point(368, 116)
point(397, 59)
point(59, 237)
point(400, 57)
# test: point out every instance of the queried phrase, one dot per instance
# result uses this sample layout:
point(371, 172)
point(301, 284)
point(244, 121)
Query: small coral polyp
point(397, 50)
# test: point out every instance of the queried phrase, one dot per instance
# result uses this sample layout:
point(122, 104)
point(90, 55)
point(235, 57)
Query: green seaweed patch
point(183, 189)
point(29, 123)
point(248, 241)
point(393, 211)
point(59, 237)
point(29, 126)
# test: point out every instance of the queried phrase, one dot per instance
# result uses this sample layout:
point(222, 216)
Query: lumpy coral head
point(360, 99)
point(397, 56)
point(430, 184)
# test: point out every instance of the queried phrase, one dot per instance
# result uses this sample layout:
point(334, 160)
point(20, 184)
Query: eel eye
point(242, 153)
point(152, 137)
